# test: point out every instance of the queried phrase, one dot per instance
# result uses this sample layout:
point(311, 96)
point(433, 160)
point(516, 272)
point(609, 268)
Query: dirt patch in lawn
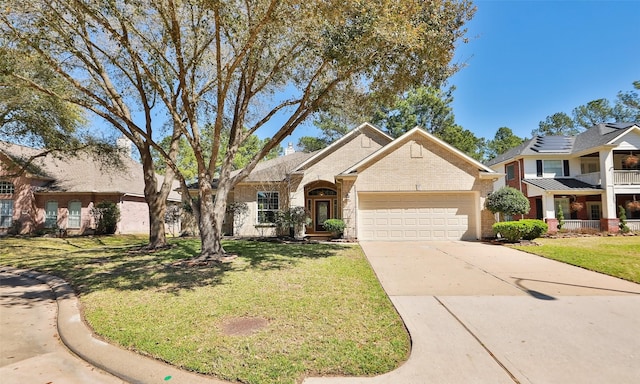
point(243, 326)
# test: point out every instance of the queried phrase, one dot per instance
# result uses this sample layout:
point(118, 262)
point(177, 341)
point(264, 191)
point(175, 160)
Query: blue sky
point(527, 60)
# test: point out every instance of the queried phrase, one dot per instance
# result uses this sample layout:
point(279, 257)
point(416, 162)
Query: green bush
point(106, 215)
point(622, 215)
point(335, 226)
point(523, 229)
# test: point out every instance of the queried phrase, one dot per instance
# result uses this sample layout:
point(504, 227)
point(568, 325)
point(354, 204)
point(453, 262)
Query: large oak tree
point(242, 65)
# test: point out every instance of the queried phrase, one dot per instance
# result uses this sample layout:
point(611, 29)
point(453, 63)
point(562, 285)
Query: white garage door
point(416, 216)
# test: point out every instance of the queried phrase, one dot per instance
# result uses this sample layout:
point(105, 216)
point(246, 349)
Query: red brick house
point(59, 192)
point(589, 176)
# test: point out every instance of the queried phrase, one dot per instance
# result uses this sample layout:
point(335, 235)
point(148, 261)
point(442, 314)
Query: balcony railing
point(626, 177)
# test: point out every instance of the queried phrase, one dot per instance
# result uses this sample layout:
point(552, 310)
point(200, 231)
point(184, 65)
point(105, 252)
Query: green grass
point(326, 312)
point(616, 256)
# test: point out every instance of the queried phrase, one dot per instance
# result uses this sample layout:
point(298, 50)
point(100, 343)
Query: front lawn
point(321, 309)
point(617, 256)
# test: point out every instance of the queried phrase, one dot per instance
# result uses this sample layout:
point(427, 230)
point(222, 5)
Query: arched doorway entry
point(322, 203)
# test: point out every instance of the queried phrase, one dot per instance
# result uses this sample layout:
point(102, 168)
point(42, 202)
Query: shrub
point(335, 226)
point(622, 215)
point(291, 220)
point(106, 215)
point(527, 229)
point(560, 217)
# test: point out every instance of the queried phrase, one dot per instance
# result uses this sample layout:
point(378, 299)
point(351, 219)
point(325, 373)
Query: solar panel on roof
point(552, 144)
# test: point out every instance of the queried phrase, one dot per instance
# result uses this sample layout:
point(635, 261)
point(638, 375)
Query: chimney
point(124, 145)
point(289, 150)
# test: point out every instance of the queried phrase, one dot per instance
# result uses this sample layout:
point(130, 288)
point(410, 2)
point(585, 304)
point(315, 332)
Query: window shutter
point(539, 168)
point(565, 164)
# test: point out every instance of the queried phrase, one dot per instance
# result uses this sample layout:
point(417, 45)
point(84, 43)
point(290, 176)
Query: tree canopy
point(503, 141)
point(189, 62)
point(626, 108)
point(29, 117)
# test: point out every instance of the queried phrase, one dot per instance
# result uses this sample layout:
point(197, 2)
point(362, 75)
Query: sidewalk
point(28, 305)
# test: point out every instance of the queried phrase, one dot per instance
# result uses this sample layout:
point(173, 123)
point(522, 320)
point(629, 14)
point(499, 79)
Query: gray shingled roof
point(276, 169)
point(561, 185)
point(591, 138)
point(84, 174)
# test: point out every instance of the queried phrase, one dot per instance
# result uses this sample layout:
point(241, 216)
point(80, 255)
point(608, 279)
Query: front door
point(322, 213)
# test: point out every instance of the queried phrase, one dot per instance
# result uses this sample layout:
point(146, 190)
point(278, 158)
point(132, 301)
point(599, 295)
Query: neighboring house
point(415, 187)
point(59, 192)
point(588, 176)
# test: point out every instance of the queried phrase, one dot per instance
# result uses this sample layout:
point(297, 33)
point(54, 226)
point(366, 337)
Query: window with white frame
point(6, 188)
point(553, 167)
point(6, 213)
point(268, 204)
point(51, 214)
point(75, 213)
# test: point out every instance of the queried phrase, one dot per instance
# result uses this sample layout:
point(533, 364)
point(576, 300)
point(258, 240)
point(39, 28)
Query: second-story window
point(553, 167)
point(511, 171)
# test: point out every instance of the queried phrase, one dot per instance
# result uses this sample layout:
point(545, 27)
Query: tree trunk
point(156, 201)
point(212, 211)
point(157, 210)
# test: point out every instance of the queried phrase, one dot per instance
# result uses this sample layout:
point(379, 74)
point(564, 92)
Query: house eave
point(490, 175)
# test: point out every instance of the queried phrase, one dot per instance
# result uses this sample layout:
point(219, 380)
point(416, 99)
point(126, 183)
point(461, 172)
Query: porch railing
point(575, 225)
point(626, 177)
point(634, 225)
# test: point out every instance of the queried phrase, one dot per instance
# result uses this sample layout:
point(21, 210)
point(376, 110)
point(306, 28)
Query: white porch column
point(548, 205)
point(606, 177)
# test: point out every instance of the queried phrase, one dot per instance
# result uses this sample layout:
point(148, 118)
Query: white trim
point(626, 132)
point(339, 142)
point(417, 130)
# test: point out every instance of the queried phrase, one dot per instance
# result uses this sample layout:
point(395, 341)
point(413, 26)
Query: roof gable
point(365, 127)
point(417, 131)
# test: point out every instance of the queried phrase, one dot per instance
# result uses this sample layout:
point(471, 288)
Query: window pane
point(75, 208)
point(268, 204)
point(510, 172)
point(51, 214)
point(6, 213)
point(6, 188)
point(553, 167)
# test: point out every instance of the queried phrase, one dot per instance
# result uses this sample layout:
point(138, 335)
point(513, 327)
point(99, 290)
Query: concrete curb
point(76, 335)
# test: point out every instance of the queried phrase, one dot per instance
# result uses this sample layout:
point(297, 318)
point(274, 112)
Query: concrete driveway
point(480, 313)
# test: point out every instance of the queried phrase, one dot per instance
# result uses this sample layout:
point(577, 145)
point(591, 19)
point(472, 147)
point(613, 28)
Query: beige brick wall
point(350, 153)
point(430, 168)
point(419, 165)
point(247, 193)
point(436, 170)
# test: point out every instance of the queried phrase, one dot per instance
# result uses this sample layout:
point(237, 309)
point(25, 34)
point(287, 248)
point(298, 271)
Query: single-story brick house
point(59, 192)
point(414, 187)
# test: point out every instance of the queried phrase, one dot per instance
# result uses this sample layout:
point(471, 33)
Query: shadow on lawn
point(126, 268)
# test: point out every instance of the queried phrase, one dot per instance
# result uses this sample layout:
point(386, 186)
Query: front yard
point(616, 255)
point(275, 314)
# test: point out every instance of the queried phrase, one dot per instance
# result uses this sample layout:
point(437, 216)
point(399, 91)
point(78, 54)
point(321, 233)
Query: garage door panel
point(419, 216)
